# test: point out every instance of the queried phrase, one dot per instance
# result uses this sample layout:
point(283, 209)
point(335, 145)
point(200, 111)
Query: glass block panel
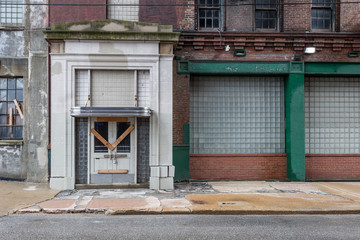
point(237, 115)
point(124, 10)
point(11, 12)
point(332, 115)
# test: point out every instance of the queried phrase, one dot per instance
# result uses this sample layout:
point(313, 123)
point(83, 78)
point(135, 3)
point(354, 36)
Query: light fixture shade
point(310, 50)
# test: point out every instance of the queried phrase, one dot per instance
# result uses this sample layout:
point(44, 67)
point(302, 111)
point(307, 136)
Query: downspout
point(49, 98)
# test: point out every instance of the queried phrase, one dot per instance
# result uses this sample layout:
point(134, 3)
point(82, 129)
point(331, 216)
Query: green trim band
point(11, 142)
point(265, 68)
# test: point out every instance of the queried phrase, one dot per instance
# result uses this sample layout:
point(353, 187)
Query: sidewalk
point(17, 195)
point(250, 197)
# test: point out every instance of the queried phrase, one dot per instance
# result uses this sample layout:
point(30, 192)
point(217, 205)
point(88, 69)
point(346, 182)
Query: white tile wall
point(143, 88)
point(112, 88)
point(237, 115)
point(332, 115)
point(82, 88)
point(129, 13)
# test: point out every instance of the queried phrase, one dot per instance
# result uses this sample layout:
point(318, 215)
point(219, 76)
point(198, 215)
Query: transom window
point(321, 12)
point(209, 14)
point(266, 14)
point(11, 12)
point(11, 123)
point(123, 10)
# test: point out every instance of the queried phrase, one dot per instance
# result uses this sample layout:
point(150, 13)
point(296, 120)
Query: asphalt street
point(252, 227)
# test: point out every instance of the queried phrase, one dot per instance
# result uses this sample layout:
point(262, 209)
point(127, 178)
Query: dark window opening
point(11, 123)
point(124, 146)
point(102, 129)
point(209, 14)
point(266, 13)
point(321, 14)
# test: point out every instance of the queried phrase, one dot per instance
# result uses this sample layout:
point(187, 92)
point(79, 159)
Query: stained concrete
point(211, 198)
point(17, 195)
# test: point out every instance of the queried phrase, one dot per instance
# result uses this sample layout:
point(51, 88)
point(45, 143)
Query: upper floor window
point(11, 12)
point(123, 10)
point(266, 14)
point(321, 14)
point(209, 14)
point(11, 100)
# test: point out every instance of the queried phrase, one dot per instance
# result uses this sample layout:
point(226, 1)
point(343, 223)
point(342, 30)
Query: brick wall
point(175, 12)
point(61, 14)
point(238, 166)
point(297, 18)
point(239, 18)
point(181, 103)
point(332, 166)
point(349, 16)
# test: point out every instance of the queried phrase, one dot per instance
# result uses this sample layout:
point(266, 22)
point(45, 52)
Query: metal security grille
point(125, 10)
point(237, 115)
point(332, 115)
point(11, 12)
point(112, 88)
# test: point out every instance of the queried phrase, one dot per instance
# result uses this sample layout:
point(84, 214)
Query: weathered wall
point(61, 14)
point(11, 165)
point(349, 16)
point(239, 18)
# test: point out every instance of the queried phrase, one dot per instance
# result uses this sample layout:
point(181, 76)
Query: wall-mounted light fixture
point(310, 50)
point(307, 50)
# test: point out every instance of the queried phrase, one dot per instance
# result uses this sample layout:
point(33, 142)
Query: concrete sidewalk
point(250, 197)
point(17, 195)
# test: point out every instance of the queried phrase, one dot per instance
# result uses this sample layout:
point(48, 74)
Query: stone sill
point(11, 142)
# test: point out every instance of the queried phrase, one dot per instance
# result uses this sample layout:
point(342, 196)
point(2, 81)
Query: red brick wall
point(181, 103)
point(238, 166)
point(349, 16)
point(332, 166)
point(61, 14)
point(297, 18)
point(181, 17)
point(239, 18)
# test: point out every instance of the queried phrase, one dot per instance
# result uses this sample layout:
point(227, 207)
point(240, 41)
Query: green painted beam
point(332, 68)
point(295, 126)
point(232, 68)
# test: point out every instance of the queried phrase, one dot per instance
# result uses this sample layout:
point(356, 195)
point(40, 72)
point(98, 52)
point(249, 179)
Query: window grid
point(237, 115)
point(332, 115)
point(209, 14)
point(129, 13)
point(266, 14)
point(82, 88)
point(10, 89)
point(144, 88)
point(321, 14)
point(10, 12)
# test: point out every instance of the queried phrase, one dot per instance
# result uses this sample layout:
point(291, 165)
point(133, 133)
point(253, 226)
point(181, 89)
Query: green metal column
point(295, 122)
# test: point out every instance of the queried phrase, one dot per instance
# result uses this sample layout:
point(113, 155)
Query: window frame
point(5, 4)
point(322, 6)
point(213, 7)
point(258, 8)
point(16, 114)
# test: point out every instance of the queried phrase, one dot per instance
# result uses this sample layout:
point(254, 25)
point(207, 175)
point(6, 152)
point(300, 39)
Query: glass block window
point(321, 14)
point(11, 12)
point(332, 115)
point(209, 14)
point(266, 14)
point(11, 124)
point(237, 115)
point(124, 10)
point(82, 88)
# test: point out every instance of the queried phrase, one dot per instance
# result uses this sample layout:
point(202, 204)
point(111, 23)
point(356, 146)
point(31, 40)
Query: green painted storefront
point(294, 73)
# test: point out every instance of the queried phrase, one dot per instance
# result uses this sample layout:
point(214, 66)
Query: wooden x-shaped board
point(117, 142)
